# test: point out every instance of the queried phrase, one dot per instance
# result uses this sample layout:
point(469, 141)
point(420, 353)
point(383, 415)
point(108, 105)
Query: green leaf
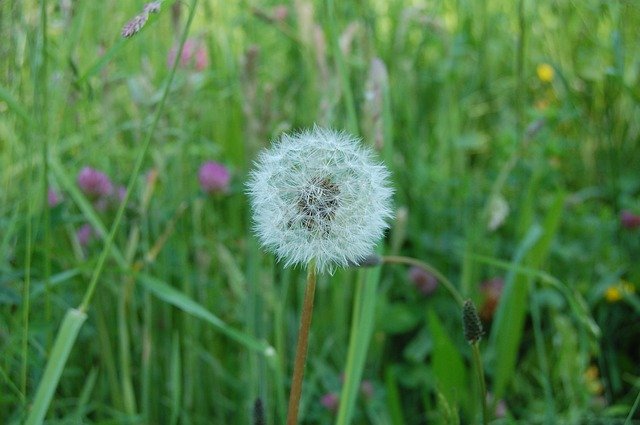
point(448, 367)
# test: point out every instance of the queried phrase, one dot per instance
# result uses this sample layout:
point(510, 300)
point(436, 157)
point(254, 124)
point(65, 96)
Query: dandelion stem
point(396, 259)
point(480, 374)
point(301, 349)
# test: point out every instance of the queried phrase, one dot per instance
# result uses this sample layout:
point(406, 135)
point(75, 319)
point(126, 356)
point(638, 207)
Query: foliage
point(512, 133)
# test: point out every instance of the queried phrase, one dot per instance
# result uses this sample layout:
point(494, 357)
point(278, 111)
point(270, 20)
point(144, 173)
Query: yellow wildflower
point(616, 292)
point(592, 376)
point(613, 294)
point(545, 72)
point(592, 373)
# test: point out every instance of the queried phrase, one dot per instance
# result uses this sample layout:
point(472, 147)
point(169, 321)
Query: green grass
point(173, 313)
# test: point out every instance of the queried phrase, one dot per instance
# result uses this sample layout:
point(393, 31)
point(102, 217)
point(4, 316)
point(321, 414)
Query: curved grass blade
point(65, 340)
point(176, 298)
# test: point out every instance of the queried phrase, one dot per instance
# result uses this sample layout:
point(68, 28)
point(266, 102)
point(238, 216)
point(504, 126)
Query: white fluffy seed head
point(318, 195)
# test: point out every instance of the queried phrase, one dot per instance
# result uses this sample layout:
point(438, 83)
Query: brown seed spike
point(471, 321)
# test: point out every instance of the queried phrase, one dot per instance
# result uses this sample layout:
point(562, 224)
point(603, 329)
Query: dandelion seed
point(318, 195)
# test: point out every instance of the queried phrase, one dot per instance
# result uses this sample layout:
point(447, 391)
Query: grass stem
point(142, 153)
point(477, 362)
point(343, 71)
point(396, 259)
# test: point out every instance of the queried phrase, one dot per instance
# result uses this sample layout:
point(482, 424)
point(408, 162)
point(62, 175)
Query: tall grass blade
point(361, 331)
point(175, 382)
point(393, 397)
point(65, 339)
point(83, 399)
point(633, 410)
point(178, 299)
point(506, 333)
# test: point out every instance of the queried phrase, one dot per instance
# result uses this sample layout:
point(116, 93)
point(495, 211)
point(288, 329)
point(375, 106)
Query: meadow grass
point(512, 132)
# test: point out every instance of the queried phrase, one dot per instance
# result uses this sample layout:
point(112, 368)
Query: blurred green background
point(511, 129)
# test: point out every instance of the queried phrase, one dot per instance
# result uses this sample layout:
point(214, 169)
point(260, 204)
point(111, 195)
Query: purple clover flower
point(121, 193)
point(425, 282)
point(330, 401)
point(54, 198)
point(367, 389)
point(194, 53)
point(629, 220)
point(94, 183)
point(214, 177)
point(85, 234)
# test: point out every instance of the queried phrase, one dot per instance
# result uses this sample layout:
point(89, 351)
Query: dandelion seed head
point(318, 195)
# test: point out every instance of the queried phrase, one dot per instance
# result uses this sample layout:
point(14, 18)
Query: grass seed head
point(471, 321)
